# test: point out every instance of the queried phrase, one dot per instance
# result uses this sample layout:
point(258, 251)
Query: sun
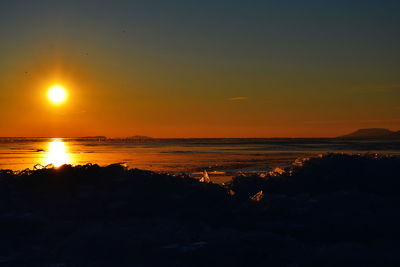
point(57, 94)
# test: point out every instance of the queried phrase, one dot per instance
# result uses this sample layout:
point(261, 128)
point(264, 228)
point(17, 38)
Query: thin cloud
point(393, 88)
point(351, 121)
point(238, 98)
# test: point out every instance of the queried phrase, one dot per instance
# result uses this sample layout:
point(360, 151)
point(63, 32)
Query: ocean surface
point(222, 158)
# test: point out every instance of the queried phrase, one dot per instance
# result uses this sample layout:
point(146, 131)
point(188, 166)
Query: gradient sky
point(199, 68)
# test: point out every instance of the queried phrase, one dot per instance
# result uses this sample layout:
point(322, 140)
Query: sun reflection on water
point(57, 153)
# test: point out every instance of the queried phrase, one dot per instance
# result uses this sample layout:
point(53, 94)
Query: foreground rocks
point(326, 212)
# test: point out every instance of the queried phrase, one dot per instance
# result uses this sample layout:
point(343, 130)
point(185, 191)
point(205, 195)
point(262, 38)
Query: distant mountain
point(372, 133)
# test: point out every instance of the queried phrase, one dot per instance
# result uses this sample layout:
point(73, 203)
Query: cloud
point(238, 98)
point(394, 88)
point(351, 121)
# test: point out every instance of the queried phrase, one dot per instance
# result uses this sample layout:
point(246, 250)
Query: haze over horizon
point(191, 69)
point(374, 132)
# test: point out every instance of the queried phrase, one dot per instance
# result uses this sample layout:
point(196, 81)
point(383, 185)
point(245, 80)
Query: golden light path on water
point(57, 153)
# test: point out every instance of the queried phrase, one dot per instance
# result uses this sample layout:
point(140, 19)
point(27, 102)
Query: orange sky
point(184, 74)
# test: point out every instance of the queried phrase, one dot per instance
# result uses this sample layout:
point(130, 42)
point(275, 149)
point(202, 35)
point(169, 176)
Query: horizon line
point(150, 138)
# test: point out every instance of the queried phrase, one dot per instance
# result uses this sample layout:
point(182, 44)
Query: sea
point(221, 158)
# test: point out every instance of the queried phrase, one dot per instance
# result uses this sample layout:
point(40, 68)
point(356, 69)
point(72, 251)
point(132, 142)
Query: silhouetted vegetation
point(333, 210)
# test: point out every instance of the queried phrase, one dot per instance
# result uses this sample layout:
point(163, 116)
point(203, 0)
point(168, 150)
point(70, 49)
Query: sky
point(199, 68)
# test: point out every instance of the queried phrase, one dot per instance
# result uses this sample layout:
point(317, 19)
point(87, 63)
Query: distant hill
point(139, 137)
point(134, 138)
point(372, 133)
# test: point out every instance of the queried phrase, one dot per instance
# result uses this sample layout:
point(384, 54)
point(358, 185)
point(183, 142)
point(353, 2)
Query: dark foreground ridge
point(335, 210)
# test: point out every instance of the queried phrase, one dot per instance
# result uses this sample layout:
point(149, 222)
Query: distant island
point(372, 133)
point(140, 137)
point(135, 138)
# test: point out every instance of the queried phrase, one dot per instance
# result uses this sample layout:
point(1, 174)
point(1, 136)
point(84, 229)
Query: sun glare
point(57, 94)
point(57, 154)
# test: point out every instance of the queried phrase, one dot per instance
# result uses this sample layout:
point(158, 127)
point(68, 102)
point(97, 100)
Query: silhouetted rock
point(333, 210)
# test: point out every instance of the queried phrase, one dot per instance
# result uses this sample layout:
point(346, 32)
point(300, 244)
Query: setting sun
point(57, 94)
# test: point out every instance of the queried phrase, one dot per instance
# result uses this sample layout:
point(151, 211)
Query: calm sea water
point(222, 158)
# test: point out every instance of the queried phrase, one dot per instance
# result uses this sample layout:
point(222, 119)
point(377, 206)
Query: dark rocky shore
point(335, 210)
